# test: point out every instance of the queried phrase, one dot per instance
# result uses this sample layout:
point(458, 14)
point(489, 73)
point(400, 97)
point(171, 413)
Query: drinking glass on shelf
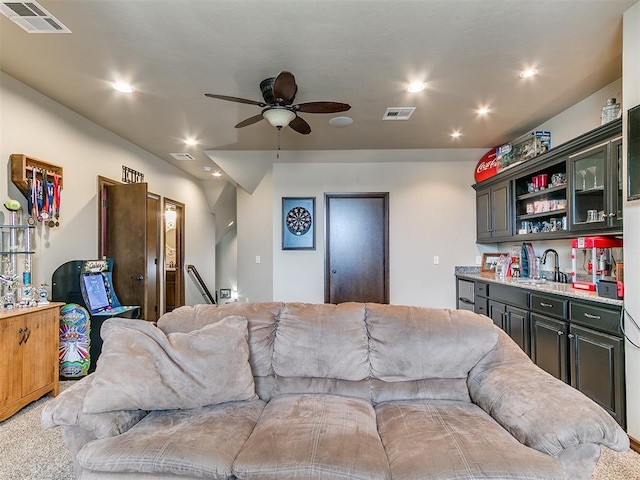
point(583, 176)
point(592, 171)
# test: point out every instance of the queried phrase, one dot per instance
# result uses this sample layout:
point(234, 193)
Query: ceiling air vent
point(398, 113)
point(32, 17)
point(182, 156)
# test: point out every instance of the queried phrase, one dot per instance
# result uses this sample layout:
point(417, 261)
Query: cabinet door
point(549, 345)
point(518, 326)
point(483, 214)
point(10, 360)
point(589, 180)
point(39, 351)
point(497, 313)
point(501, 210)
point(493, 212)
point(596, 360)
point(616, 182)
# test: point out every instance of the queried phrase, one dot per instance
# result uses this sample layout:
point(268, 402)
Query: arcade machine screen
point(96, 291)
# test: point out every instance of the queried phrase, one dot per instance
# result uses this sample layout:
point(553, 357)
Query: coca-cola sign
point(488, 166)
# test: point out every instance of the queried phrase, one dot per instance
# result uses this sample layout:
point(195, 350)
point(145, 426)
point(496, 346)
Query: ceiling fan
point(278, 109)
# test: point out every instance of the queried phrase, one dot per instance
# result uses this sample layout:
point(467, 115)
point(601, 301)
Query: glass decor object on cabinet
point(541, 201)
point(15, 265)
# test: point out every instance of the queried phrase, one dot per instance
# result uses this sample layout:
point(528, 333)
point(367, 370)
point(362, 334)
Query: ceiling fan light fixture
point(278, 116)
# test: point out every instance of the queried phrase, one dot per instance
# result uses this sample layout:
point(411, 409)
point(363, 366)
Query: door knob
point(334, 271)
point(139, 278)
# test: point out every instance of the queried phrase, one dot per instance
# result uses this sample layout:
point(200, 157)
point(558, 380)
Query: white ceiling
point(361, 52)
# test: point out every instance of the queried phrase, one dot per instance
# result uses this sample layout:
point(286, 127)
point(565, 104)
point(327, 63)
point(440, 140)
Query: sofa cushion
point(66, 409)
point(323, 341)
point(199, 443)
point(448, 440)
point(415, 343)
point(178, 370)
point(262, 319)
point(319, 437)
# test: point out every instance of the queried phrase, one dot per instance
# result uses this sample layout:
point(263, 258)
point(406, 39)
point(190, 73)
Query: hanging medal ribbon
point(50, 206)
point(44, 213)
point(39, 199)
point(30, 220)
point(34, 197)
point(56, 197)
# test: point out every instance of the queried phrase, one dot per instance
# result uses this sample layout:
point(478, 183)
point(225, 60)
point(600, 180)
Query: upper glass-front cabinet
point(596, 187)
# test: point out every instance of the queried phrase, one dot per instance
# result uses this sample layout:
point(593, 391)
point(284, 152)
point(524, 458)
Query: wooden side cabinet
point(28, 355)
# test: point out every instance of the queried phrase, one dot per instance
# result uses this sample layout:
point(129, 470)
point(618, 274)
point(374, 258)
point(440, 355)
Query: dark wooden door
point(152, 283)
point(126, 241)
point(357, 248)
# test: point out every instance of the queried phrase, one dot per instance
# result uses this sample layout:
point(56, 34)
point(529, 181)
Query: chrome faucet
point(558, 276)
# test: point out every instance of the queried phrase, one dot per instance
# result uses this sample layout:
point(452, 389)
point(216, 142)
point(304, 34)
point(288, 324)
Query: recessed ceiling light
point(216, 174)
point(483, 110)
point(191, 141)
point(455, 134)
point(416, 87)
point(122, 87)
point(341, 121)
point(528, 73)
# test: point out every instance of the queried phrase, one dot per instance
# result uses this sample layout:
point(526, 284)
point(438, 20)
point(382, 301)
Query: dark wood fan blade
point(250, 121)
point(300, 125)
point(322, 107)
point(285, 88)
point(236, 99)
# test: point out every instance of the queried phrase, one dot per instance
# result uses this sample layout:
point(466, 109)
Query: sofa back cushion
point(370, 351)
point(415, 343)
point(322, 341)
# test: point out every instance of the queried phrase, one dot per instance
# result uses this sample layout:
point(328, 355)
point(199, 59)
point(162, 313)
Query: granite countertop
point(555, 288)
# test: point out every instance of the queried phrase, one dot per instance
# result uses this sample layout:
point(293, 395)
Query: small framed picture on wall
point(298, 223)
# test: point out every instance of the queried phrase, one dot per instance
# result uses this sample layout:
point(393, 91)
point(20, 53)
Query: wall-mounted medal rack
point(41, 184)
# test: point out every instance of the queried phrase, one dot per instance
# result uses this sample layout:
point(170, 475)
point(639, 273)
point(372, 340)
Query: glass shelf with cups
point(541, 202)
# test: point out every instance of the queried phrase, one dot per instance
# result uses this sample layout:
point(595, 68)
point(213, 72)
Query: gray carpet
point(29, 452)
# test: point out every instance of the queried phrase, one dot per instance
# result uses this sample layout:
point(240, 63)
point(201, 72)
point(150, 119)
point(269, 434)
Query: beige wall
point(255, 237)
point(432, 212)
point(35, 125)
point(631, 97)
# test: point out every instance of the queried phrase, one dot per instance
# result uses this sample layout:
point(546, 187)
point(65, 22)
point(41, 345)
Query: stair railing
point(200, 284)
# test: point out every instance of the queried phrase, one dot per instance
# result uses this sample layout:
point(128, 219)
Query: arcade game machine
point(86, 285)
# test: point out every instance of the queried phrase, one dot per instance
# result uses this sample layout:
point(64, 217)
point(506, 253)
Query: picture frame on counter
point(490, 261)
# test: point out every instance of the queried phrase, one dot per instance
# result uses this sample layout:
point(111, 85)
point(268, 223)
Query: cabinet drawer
point(482, 289)
point(552, 306)
point(481, 306)
point(603, 319)
point(510, 295)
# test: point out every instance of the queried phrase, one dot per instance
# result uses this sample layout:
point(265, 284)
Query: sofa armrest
point(66, 409)
point(539, 410)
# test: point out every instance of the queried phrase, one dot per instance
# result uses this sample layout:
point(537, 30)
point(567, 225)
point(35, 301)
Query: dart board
point(298, 229)
point(298, 220)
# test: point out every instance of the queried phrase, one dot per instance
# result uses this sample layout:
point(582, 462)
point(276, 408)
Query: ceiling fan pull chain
point(278, 143)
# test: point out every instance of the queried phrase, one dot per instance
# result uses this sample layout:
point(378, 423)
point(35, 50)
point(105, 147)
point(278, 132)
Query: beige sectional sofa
point(319, 391)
